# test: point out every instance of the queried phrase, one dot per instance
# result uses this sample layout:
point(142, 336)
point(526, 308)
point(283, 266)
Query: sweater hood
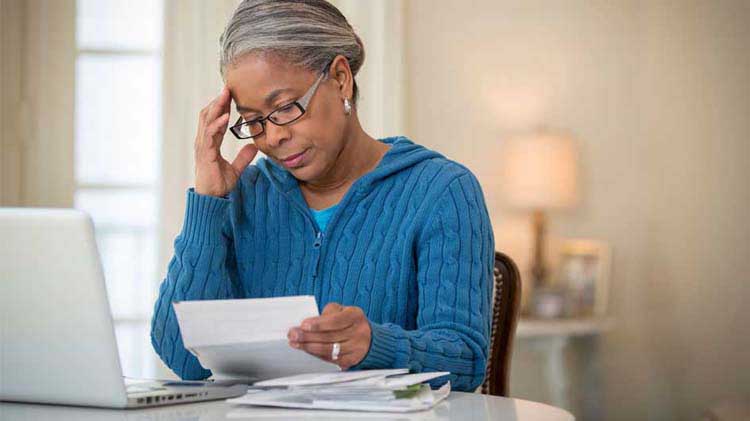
point(402, 155)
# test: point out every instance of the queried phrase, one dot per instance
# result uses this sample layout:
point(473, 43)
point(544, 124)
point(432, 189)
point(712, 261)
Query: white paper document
point(246, 339)
point(370, 391)
point(330, 379)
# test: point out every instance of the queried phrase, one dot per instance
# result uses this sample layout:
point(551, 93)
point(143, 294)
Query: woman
point(392, 239)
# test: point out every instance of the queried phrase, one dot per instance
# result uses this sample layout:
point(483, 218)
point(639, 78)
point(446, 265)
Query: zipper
point(318, 239)
point(316, 251)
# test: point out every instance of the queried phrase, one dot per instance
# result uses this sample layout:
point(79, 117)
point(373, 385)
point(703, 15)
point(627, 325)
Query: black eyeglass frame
point(301, 104)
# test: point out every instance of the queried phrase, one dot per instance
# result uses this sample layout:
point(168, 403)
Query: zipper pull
point(318, 240)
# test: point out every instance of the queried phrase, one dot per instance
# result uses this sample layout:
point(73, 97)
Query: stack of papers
point(368, 390)
point(245, 340)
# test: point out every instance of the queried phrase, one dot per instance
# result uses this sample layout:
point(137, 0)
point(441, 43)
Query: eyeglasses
point(286, 114)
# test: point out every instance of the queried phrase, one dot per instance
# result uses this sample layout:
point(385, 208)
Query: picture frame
point(583, 272)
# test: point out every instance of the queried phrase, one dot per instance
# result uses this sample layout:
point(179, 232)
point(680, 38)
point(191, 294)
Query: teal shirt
point(323, 216)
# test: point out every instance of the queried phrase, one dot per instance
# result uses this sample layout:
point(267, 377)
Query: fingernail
point(306, 326)
point(293, 335)
point(294, 344)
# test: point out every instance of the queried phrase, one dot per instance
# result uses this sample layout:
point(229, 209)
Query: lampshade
point(539, 171)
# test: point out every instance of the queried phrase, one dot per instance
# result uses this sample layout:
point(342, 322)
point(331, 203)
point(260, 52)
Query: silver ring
point(335, 351)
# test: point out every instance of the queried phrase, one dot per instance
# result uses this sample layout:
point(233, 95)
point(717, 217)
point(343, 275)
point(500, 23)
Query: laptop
point(57, 343)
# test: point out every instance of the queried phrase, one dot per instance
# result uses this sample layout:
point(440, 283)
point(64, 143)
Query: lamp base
point(538, 268)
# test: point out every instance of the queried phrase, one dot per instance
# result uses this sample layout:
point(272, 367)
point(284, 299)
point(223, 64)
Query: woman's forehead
point(255, 81)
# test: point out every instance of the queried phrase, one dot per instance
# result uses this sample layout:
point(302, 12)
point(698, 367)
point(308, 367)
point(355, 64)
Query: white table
point(458, 406)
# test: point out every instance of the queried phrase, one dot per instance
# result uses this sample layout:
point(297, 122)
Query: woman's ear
point(342, 74)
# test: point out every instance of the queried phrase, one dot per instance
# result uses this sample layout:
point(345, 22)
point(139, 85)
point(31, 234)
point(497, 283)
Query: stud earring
point(347, 106)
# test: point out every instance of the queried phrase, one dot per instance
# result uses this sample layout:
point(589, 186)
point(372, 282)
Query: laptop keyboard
point(141, 388)
point(142, 385)
point(145, 385)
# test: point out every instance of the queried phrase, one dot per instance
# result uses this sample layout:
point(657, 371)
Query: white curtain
point(381, 79)
point(37, 59)
point(192, 79)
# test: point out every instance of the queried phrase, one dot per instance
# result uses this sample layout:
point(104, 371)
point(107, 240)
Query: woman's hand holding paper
point(346, 326)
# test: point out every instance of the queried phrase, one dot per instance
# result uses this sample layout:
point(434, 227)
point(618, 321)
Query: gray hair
point(306, 33)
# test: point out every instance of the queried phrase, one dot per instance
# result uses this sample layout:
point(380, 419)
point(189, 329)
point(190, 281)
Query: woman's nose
point(276, 135)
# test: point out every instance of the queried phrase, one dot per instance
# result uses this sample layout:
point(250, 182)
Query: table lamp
point(539, 173)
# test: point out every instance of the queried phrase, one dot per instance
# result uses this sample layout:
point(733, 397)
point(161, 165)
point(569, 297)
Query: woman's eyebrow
point(270, 98)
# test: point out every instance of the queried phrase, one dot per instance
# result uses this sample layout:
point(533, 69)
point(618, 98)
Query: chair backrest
point(505, 309)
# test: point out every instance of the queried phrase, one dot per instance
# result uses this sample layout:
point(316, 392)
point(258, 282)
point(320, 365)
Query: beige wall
point(658, 95)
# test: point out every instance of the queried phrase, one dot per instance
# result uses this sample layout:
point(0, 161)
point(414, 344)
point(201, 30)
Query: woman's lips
point(294, 160)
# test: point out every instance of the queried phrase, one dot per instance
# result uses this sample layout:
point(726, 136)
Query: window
point(117, 148)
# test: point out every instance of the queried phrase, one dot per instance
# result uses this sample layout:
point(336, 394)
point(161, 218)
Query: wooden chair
point(507, 303)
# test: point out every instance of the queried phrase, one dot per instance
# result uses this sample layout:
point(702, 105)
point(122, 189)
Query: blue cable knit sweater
point(410, 243)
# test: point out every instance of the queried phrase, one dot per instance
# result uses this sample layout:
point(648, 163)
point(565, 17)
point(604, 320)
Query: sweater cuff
point(383, 348)
point(204, 218)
